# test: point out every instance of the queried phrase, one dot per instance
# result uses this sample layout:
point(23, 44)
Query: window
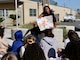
point(6, 12)
point(69, 15)
point(32, 12)
point(47, 1)
point(2, 12)
point(36, 0)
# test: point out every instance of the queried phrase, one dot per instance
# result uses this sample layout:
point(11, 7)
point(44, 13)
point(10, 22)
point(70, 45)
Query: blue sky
point(73, 4)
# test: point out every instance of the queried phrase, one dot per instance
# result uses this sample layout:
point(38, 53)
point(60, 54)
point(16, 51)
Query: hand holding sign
point(45, 22)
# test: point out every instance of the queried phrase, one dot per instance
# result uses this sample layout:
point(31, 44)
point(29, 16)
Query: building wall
point(61, 11)
point(9, 21)
point(27, 6)
point(57, 10)
point(25, 18)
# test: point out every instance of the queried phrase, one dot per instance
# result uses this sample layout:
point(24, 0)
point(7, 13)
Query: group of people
point(28, 49)
point(35, 48)
point(20, 50)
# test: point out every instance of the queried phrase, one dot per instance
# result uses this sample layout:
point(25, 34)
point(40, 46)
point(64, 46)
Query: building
point(30, 10)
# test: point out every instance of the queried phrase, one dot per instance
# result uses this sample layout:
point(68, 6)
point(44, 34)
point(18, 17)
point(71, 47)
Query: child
point(29, 40)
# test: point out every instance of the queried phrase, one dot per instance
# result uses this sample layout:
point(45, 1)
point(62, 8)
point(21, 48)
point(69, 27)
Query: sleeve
point(26, 33)
point(42, 44)
point(69, 50)
point(38, 30)
point(54, 18)
point(41, 15)
point(21, 52)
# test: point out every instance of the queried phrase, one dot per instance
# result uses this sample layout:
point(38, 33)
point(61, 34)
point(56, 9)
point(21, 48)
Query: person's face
point(47, 9)
point(31, 41)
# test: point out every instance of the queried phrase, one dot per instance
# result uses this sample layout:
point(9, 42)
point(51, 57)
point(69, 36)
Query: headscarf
point(18, 42)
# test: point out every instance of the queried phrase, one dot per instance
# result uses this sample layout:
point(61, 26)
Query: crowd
point(35, 48)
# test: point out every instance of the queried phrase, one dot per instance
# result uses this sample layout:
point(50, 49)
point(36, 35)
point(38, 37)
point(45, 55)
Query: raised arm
point(54, 21)
point(41, 15)
point(26, 32)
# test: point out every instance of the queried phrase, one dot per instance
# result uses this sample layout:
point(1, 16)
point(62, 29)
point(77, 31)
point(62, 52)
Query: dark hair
point(9, 56)
point(73, 36)
point(33, 52)
point(2, 31)
point(48, 32)
point(45, 8)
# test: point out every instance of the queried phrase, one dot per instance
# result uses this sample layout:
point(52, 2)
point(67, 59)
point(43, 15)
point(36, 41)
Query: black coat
point(72, 50)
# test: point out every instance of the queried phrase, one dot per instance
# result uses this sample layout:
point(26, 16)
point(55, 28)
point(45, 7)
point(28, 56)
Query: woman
point(48, 44)
point(35, 31)
point(72, 50)
point(29, 40)
point(3, 43)
point(47, 12)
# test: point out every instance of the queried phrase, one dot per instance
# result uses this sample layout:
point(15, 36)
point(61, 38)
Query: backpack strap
point(47, 42)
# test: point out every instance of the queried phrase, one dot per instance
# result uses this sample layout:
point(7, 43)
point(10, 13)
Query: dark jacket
point(72, 50)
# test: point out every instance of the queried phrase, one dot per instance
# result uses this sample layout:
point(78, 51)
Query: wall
point(58, 33)
point(57, 10)
point(30, 4)
point(27, 6)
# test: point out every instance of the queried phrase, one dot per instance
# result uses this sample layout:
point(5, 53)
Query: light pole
point(5, 17)
point(39, 1)
point(48, 2)
point(38, 7)
point(16, 13)
point(21, 13)
point(44, 2)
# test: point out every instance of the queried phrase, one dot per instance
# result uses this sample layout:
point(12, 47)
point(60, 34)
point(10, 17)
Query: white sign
point(45, 22)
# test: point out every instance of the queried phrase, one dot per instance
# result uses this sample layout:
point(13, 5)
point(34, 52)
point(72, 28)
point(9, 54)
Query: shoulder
point(43, 13)
point(50, 39)
point(66, 40)
point(52, 14)
point(70, 45)
point(22, 48)
point(4, 41)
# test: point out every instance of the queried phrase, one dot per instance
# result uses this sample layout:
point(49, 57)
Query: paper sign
point(45, 22)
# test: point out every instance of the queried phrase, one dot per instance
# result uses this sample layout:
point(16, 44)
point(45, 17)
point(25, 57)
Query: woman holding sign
point(48, 42)
point(47, 12)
